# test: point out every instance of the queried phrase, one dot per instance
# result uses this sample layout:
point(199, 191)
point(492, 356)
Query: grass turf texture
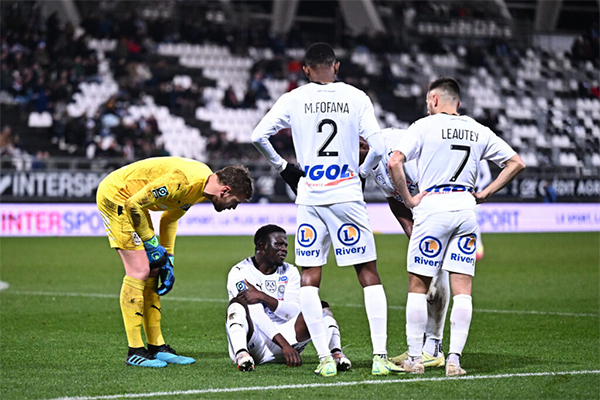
point(62, 332)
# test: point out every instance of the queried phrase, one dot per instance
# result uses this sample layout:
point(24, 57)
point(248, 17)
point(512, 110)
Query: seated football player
point(439, 291)
point(264, 323)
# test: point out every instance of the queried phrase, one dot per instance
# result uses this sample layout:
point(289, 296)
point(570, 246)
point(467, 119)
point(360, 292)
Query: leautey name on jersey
point(283, 284)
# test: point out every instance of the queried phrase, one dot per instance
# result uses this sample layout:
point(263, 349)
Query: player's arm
point(402, 214)
point(276, 119)
point(513, 167)
point(283, 309)
point(396, 169)
point(376, 151)
point(168, 228)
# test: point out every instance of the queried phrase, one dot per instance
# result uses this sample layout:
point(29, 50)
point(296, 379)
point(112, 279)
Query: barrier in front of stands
point(84, 219)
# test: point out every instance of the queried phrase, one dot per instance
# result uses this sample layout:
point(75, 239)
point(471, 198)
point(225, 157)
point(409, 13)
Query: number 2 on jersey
point(322, 152)
point(467, 151)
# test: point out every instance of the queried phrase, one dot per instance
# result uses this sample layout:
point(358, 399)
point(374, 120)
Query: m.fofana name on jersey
point(326, 107)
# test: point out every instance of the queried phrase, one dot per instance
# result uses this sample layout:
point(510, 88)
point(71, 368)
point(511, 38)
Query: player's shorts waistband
point(449, 189)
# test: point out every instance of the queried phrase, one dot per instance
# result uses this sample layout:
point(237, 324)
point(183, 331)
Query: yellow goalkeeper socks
point(152, 313)
point(132, 307)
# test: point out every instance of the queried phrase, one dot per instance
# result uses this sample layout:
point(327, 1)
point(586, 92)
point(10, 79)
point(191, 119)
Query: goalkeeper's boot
point(341, 361)
point(383, 366)
point(428, 360)
point(453, 367)
point(326, 367)
point(167, 354)
point(244, 361)
point(414, 365)
point(140, 357)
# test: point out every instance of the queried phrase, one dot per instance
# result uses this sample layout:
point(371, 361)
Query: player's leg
point(335, 339)
point(239, 330)
point(460, 263)
point(312, 247)
point(438, 298)
point(132, 307)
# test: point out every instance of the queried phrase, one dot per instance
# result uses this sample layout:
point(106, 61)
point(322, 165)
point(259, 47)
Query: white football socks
point(376, 308)
point(333, 331)
point(310, 305)
point(416, 321)
point(460, 321)
point(237, 327)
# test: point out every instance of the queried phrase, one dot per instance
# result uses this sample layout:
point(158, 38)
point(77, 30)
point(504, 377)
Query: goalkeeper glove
point(157, 255)
point(167, 278)
point(291, 174)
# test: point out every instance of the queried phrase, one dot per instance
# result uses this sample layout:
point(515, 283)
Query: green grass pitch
point(535, 332)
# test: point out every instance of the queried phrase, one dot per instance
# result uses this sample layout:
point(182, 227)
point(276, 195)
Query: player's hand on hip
point(291, 355)
point(291, 174)
point(412, 202)
point(479, 197)
point(167, 277)
point(157, 255)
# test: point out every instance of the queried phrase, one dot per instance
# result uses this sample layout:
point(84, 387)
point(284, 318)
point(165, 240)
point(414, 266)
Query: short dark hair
point(237, 177)
point(319, 54)
point(264, 231)
point(447, 85)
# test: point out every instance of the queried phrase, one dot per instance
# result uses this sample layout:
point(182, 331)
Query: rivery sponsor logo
point(430, 246)
point(467, 244)
point(349, 234)
point(351, 250)
point(331, 172)
point(308, 253)
point(424, 261)
point(306, 235)
point(461, 258)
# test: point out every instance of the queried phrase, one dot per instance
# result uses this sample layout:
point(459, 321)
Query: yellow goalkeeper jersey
point(169, 184)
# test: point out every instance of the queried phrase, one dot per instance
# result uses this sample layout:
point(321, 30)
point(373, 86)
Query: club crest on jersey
point(306, 235)
point(241, 286)
point(349, 234)
point(271, 286)
point(430, 246)
point(136, 238)
point(468, 244)
point(280, 292)
point(160, 192)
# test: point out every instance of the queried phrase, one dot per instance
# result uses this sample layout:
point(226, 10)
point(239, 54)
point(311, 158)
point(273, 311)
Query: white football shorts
point(345, 225)
point(443, 240)
point(264, 350)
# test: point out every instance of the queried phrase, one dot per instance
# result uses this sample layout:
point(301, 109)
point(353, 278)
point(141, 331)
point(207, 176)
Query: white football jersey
point(326, 121)
point(283, 284)
point(448, 150)
point(381, 175)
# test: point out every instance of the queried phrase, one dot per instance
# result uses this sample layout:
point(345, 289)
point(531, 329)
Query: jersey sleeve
point(235, 281)
point(368, 122)
point(497, 150)
point(409, 143)
point(290, 306)
point(152, 194)
point(276, 119)
point(168, 228)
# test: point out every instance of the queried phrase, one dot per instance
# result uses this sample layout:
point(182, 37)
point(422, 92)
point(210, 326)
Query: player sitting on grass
point(438, 295)
point(264, 323)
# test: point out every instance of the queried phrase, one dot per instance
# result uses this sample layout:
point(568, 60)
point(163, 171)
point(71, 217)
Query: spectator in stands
point(7, 147)
point(549, 192)
point(230, 99)
point(257, 85)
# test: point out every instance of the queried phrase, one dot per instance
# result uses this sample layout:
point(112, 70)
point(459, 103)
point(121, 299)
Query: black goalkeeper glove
point(291, 174)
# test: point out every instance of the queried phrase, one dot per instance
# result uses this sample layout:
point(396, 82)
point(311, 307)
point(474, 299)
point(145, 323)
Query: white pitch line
point(322, 385)
point(3, 285)
point(207, 300)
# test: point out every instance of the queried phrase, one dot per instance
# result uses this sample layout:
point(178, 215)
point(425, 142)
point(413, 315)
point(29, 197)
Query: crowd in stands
point(47, 64)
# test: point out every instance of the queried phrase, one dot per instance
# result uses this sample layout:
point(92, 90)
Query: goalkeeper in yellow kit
point(171, 185)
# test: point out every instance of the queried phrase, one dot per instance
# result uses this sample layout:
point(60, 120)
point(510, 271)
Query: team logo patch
point(280, 292)
point(283, 279)
point(349, 234)
point(306, 235)
point(270, 286)
point(136, 238)
point(430, 246)
point(468, 244)
point(160, 192)
point(241, 286)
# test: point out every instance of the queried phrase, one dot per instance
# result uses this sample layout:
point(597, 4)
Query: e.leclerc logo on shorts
point(467, 244)
point(430, 246)
point(306, 235)
point(349, 234)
